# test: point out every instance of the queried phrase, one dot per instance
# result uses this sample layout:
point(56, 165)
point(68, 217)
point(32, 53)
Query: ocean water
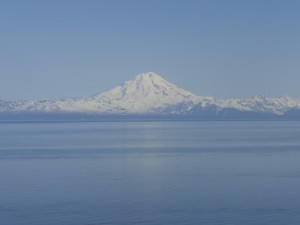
point(92, 173)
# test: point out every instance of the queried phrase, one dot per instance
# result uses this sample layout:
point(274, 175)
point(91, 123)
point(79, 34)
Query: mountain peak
point(150, 77)
point(149, 82)
point(145, 93)
point(259, 98)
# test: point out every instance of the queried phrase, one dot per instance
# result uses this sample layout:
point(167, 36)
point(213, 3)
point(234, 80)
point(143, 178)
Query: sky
point(227, 49)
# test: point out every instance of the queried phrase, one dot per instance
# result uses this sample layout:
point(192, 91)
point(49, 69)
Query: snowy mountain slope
point(149, 93)
point(260, 103)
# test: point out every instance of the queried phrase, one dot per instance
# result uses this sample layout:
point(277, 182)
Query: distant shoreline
point(77, 117)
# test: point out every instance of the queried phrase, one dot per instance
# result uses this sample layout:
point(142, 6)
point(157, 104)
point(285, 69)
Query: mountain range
point(148, 94)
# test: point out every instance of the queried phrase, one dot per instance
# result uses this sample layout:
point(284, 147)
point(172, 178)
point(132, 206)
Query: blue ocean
point(155, 172)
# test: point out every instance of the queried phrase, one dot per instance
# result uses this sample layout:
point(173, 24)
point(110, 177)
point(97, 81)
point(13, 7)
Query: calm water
point(150, 173)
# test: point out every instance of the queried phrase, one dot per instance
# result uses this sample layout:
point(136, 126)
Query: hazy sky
point(53, 49)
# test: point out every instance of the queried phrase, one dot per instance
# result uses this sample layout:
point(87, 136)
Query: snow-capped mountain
point(146, 93)
point(150, 94)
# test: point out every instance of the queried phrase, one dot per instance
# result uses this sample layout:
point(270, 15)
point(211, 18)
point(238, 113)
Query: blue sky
point(53, 49)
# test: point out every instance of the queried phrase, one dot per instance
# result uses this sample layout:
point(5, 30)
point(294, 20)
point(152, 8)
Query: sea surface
point(162, 173)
